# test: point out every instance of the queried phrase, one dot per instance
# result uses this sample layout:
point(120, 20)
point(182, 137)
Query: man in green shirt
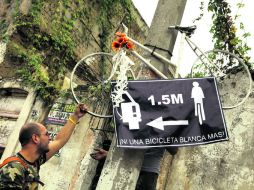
point(21, 171)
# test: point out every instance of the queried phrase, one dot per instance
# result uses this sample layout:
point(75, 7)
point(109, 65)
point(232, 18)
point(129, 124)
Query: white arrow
point(159, 123)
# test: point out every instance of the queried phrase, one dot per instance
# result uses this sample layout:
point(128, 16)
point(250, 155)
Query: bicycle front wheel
point(90, 83)
point(232, 75)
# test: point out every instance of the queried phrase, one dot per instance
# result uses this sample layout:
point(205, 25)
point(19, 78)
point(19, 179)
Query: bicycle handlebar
point(125, 29)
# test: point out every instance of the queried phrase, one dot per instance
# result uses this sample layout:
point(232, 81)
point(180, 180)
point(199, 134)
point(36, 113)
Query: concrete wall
point(16, 103)
point(219, 166)
point(10, 107)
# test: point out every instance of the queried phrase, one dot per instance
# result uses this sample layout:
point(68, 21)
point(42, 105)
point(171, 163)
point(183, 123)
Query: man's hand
point(99, 154)
point(80, 111)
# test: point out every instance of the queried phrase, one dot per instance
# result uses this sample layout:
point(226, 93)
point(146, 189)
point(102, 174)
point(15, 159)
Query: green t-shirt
point(14, 175)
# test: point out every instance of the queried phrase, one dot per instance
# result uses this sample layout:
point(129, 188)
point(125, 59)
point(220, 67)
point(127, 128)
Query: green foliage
point(45, 56)
point(44, 45)
point(3, 30)
point(35, 12)
point(62, 28)
point(112, 9)
point(200, 16)
point(6, 26)
point(33, 75)
point(224, 30)
point(16, 51)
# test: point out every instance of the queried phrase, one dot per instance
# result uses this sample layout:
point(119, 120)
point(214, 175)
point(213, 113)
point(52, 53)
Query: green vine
point(6, 25)
point(110, 9)
point(201, 14)
point(3, 30)
point(224, 30)
point(44, 45)
point(46, 56)
point(32, 71)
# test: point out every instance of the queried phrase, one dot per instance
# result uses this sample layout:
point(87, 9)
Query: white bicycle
point(91, 76)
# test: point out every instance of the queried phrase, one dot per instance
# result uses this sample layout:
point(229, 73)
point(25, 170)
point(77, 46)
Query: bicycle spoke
point(88, 83)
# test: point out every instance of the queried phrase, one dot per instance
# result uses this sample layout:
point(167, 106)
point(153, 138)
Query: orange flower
point(129, 45)
point(120, 34)
point(116, 45)
point(121, 40)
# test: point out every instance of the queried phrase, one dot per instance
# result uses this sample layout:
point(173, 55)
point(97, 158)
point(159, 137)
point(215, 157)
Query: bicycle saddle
point(187, 30)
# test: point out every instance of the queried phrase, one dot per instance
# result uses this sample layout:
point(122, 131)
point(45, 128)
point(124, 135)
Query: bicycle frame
point(199, 53)
point(156, 55)
point(202, 56)
point(136, 54)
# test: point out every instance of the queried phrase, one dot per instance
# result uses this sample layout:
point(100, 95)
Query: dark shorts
point(147, 181)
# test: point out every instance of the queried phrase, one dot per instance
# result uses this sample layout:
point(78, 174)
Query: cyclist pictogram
point(198, 95)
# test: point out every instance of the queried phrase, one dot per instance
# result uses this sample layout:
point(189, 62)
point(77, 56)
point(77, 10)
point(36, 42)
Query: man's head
point(34, 134)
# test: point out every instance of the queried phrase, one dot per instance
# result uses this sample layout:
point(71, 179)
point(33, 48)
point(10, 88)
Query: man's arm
point(65, 133)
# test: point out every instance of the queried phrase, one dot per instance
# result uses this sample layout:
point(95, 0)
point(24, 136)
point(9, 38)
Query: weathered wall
point(23, 110)
point(74, 168)
point(219, 166)
point(14, 101)
point(10, 107)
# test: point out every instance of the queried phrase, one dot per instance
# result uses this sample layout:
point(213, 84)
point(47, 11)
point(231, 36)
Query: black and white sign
point(180, 112)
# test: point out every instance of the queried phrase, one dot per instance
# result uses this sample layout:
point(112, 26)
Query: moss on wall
point(49, 39)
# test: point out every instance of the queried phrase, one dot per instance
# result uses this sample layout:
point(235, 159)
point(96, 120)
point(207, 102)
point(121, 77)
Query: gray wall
point(219, 166)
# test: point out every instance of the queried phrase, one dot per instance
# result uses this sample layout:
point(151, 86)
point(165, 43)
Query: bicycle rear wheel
point(232, 75)
point(89, 83)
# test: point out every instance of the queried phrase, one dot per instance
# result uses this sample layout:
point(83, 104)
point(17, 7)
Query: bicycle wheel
point(232, 75)
point(89, 83)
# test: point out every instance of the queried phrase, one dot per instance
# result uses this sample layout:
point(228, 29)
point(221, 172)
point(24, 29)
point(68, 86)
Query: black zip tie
point(155, 47)
point(153, 50)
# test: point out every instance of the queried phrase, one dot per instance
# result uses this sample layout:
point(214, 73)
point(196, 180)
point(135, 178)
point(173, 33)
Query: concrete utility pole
point(122, 166)
point(168, 13)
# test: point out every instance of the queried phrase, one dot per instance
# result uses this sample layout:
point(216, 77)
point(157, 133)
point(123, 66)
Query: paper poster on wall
point(60, 113)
